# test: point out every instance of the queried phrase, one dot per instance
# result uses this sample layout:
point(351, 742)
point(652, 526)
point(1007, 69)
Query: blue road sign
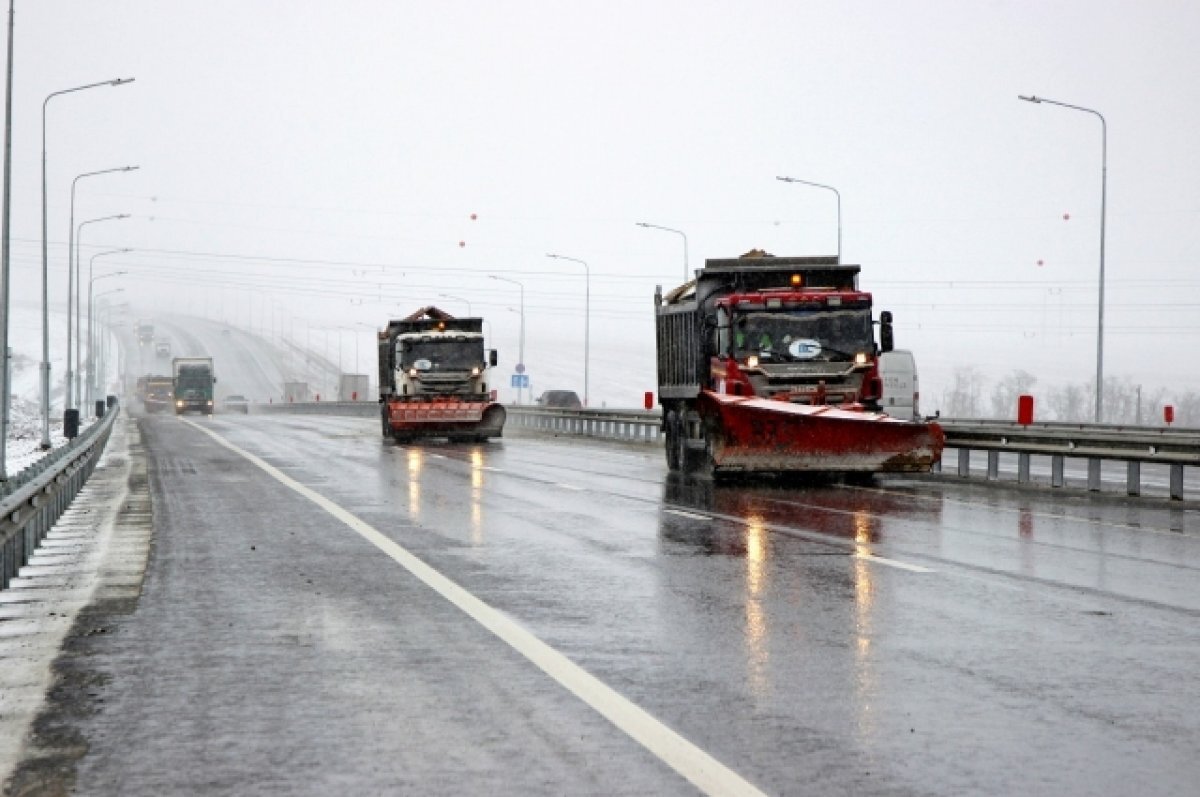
point(520, 380)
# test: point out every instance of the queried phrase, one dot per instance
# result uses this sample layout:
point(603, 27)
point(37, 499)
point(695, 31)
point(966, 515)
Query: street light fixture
point(1103, 202)
point(45, 443)
point(73, 274)
point(587, 317)
point(839, 206)
point(677, 232)
point(91, 279)
point(521, 337)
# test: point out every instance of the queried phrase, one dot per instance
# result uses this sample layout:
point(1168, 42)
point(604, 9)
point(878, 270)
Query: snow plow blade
point(478, 418)
point(763, 435)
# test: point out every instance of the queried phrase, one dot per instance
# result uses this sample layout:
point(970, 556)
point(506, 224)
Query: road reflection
point(757, 650)
point(416, 463)
point(866, 531)
point(477, 496)
point(807, 575)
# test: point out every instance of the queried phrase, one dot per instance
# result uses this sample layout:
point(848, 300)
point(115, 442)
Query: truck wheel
point(385, 427)
point(691, 458)
point(674, 442)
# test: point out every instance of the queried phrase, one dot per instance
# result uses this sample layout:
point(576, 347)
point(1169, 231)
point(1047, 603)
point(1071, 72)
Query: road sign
point(520, 369)
point(520, 380)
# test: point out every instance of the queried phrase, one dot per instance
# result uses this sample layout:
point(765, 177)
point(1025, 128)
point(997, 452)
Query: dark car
point(560, 400)
point(236, 403)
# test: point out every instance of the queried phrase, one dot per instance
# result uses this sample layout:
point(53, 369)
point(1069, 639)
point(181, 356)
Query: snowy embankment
point(23, 445)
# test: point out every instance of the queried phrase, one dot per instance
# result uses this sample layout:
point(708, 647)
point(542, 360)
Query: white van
point(901, 391)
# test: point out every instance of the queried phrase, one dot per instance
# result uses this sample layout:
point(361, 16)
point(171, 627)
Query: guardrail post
point(1023, 468)
point(964, 462)
point(1177, 482)
point(1133, 478)
point(1093, 483)
point(1057, 468)
point(993, 471)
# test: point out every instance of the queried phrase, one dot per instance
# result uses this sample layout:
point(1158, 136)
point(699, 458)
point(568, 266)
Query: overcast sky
point(317, 164)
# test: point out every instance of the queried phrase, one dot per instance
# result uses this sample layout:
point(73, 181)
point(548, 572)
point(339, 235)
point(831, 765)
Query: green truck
point(194, 380)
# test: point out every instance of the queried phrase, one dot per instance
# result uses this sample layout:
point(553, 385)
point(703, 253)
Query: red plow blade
point(765, 435)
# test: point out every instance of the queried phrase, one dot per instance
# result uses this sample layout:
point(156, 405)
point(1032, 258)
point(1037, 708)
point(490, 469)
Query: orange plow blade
point(755, 434)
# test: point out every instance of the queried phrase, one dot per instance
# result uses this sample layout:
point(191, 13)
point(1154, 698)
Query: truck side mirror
point(493, 360)
point(886, 342)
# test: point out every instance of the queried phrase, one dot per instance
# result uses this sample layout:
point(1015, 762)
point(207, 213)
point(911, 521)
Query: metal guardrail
point(32, 500)
point(632, 425)
point(1094, 443)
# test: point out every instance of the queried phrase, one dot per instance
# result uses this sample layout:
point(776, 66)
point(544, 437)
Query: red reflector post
point(648, 400)
point(1169, 414)
point(1024, 410)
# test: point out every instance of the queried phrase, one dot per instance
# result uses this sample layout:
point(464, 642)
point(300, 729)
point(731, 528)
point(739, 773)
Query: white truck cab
point(901, 390)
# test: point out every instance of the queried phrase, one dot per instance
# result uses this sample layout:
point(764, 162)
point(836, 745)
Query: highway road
point(324, 610)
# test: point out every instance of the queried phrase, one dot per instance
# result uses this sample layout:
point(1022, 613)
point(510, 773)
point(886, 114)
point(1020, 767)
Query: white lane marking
point(690, 515)
point(870, 557)
point(702, 770)
point(569, 487)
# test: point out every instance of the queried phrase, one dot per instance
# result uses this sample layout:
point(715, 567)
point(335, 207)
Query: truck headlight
point(178, 403)
point(752, 361)
point(860, 358)
point(412, 373)
point(475, 371)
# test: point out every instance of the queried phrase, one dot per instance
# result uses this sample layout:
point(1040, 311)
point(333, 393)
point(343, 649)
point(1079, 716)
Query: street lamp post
point(90, 359)
point(681, 234)
point(93, 379)
point(74, 240)
point(521, 337)
point(839, 205)
point(103, 344)
point(1103, 203)
point(587, 317)
point(73, 284)
point(4, 241)
point(374, 337)
point(45, 443)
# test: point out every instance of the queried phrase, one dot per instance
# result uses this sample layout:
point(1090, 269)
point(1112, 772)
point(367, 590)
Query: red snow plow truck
point(769, 364)
point(433, 379)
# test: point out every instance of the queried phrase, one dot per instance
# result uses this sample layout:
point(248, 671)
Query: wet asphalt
point(899, 637)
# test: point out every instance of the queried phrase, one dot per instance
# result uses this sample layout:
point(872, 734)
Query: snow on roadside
point(23, 446)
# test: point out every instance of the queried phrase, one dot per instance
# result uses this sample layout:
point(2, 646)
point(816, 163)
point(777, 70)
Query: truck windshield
point(441, 354)
point(195, 379)
point(796, 335)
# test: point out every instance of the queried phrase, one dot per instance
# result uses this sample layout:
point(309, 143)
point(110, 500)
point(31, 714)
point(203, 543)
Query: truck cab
point(439, 361)
point(802, 346)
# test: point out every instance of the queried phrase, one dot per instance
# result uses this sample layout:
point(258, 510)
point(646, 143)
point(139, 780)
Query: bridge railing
point(33, 499)
point(1095, 444)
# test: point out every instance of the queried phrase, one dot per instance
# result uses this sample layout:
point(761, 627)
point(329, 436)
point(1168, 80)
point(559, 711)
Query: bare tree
point(1069, 403)
point(962, 400)
point(1005, 392)
point(1120, 401)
